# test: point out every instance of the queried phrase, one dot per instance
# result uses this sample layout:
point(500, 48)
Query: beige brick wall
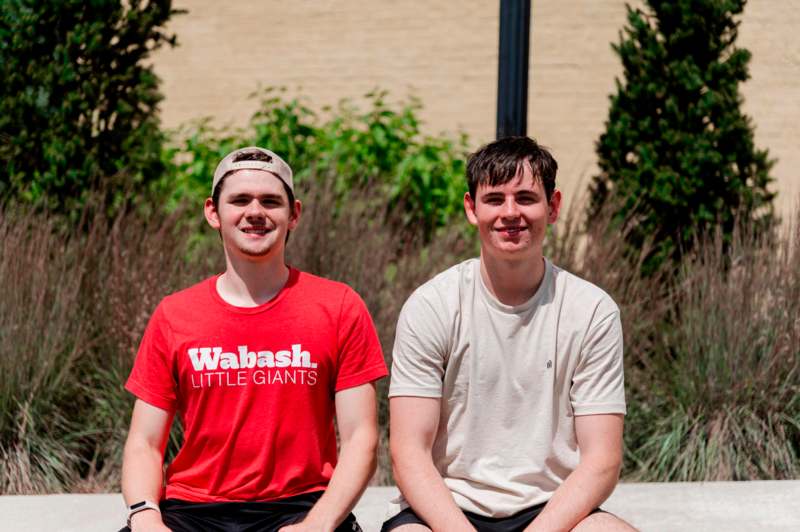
point(445, 52)
point(770, 29)
point(572, 74)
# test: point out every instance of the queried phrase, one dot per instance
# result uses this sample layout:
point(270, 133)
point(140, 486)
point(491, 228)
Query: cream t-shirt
point(510, 379)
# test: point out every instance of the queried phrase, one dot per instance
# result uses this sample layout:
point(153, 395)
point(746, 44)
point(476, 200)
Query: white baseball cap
point(274, 164)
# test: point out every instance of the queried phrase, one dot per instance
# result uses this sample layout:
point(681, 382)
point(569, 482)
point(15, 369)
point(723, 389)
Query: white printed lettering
point(300, 358)
point(205, 360)
point(266, 359)
point(229, 361)
point(212, 367)
point(283, 359)
point(247, 359)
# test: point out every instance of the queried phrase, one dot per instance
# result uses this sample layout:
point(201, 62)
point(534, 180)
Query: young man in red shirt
point(256, 362)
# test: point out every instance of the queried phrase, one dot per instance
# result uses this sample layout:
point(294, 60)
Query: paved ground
point(711, 506)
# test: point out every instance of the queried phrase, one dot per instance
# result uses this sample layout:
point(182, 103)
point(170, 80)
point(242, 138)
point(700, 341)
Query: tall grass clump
point(712, 350)
point(76, 299)
point(43, 335)
point(725, 400)
point(136, 260)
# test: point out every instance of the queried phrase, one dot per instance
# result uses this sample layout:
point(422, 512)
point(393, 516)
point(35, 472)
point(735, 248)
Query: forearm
point(582, 491)
point(142, 479)
point(141, 473)
point(354, 469)
point(425, 490)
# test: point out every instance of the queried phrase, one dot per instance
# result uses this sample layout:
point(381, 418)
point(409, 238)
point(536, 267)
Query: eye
point(271, 202)
point(526, 199)
point(493, 200)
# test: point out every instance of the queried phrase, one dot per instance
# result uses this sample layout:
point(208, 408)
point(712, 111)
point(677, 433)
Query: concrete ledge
point(697, 506)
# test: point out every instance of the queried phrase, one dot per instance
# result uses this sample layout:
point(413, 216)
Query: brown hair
point(499, 162)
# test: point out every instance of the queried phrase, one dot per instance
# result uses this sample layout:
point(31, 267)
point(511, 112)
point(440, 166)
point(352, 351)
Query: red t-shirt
point(254, 387)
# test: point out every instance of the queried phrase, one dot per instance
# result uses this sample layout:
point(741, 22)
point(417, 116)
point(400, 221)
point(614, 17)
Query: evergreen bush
point(678, 158)
point(77, 102)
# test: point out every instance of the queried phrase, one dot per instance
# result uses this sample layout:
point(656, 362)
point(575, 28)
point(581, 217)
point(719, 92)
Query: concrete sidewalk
point(695, 506)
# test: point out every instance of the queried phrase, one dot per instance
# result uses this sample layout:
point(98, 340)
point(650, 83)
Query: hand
point(306, 526)
point(148, 521)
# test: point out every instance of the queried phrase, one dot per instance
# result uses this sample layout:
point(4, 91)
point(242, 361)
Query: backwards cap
point(275, 165)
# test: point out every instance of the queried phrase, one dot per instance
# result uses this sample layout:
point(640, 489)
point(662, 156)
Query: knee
point(411, 528)
point(603, 522)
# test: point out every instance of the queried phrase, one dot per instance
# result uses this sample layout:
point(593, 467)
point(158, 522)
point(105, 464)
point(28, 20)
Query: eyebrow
point(268, 195)
point(524, 192)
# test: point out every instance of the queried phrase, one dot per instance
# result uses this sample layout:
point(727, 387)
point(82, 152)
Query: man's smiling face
point(253, 215)
point(512, 217)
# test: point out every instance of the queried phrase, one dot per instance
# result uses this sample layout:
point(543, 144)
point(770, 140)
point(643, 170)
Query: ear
point(469, 209)
point(554, 207)
point(211, 214)
point(295, 216)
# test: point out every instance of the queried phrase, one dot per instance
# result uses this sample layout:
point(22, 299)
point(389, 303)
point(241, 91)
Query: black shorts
point(183, 516)
point(512, 523)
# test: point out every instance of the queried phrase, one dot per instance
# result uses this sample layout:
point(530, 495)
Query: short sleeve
point(360, 358)
point(151, 378)
point(420, 347)
point(598, 385)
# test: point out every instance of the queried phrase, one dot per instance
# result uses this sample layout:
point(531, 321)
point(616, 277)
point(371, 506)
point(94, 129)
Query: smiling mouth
point(255, 230)
point(512, 230)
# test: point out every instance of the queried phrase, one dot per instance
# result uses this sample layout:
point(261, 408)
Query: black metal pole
point(512, 71)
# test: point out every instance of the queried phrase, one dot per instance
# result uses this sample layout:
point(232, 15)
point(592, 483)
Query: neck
point(249, 284)
point(512, 282)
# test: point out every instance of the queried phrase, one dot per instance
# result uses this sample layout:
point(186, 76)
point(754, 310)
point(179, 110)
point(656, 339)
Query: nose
point(254, 209)
point(510, 209)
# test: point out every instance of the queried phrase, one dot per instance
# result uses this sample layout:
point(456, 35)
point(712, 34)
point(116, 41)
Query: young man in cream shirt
point(507, 398)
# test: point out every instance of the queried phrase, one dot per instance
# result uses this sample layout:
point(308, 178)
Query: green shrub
point(677, 158)
point(77, 102)
point(420, 177)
